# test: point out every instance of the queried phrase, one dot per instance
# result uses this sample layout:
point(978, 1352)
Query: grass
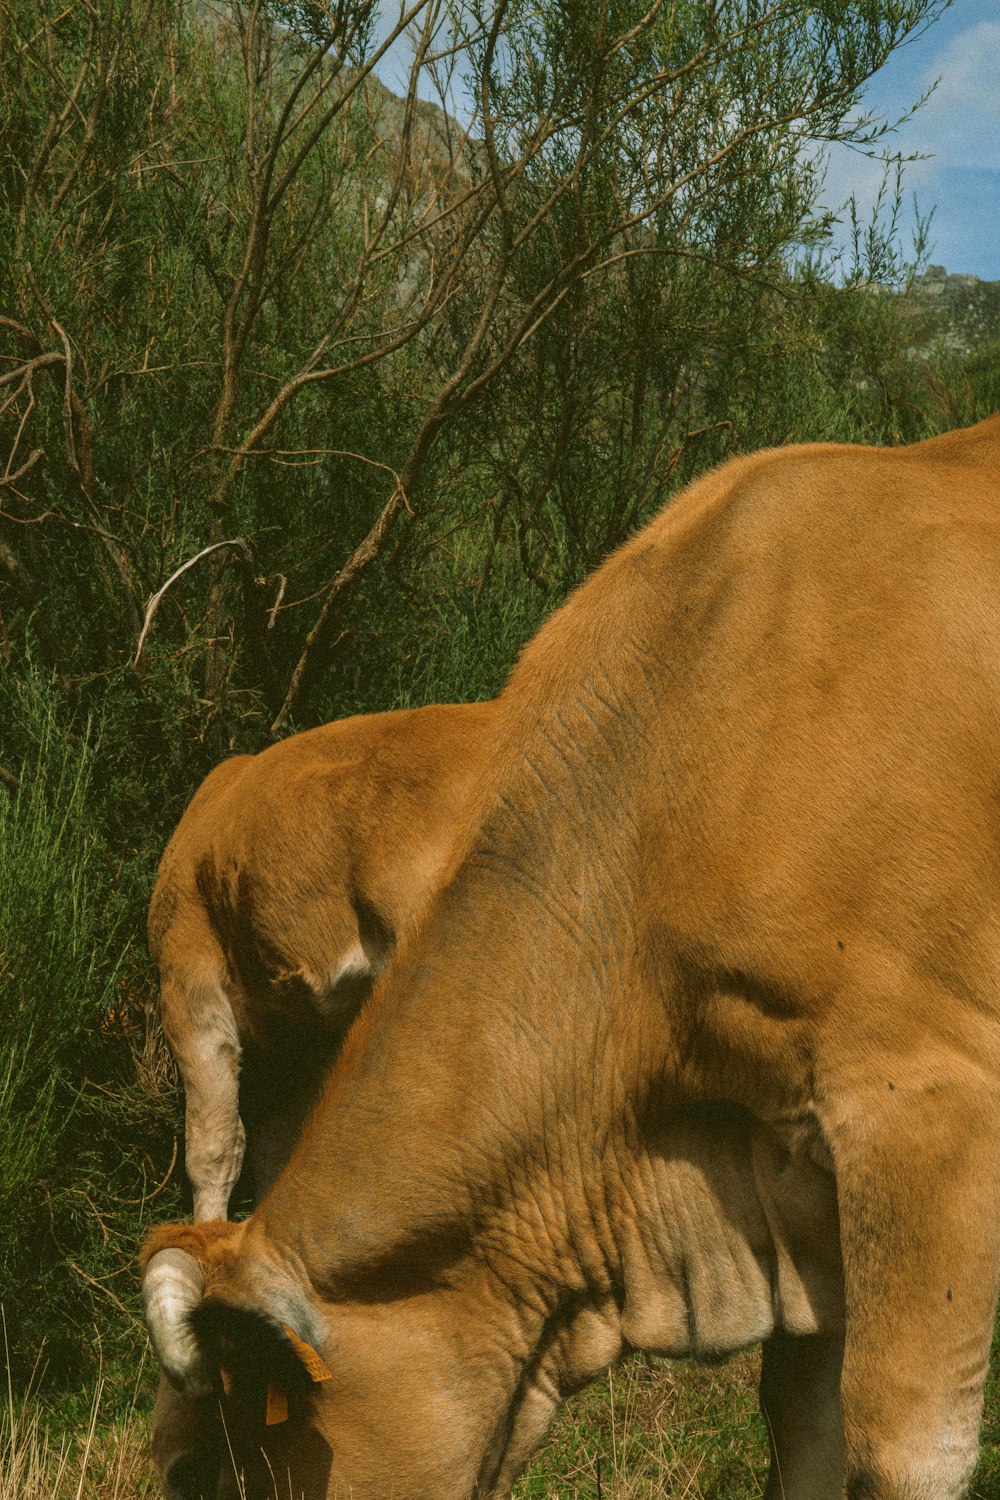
point(646, 1430)
point(652, 1429)
point(98, 1464)
point(101, 1461)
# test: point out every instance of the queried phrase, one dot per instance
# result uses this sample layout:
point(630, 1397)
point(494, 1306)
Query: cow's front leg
point(800, 1404)
point(917, 1161)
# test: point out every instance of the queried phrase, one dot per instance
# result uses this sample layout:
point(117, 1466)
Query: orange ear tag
point(277, 1406)
point(277, 1399)
point(314, 1366)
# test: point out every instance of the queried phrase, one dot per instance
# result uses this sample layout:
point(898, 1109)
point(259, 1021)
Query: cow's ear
point(256, 1355)
point(178, 1262)
point(221, 1317)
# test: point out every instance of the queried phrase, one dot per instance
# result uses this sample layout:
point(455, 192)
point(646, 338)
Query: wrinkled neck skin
point(511, 1180)
point(478, 1281)
point(466, 1215)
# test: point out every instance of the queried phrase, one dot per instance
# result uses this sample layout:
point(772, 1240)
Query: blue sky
point(958, 130)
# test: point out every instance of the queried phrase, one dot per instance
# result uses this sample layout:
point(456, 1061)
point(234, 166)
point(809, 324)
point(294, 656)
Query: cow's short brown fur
point(700, 1045)
point(286, 885)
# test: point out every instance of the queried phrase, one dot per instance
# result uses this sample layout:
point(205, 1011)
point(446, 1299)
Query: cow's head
point(400, 1395)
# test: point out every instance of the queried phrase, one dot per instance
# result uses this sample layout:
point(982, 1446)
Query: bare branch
point(237, 543)
point(272, 614)
point(9, 480)
point(363, 554)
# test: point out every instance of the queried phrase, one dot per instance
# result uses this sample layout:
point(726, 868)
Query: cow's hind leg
point(917, 1160)
point(800, 1403)
point(201, 1028)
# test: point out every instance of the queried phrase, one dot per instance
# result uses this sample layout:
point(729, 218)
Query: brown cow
point(285, 887)
point(700, 1044)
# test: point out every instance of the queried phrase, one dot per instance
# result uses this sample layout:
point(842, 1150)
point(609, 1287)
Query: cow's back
point(176, 915)
point(308, 859)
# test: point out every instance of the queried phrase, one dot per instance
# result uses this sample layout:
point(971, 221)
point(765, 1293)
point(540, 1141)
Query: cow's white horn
point(172, 1288)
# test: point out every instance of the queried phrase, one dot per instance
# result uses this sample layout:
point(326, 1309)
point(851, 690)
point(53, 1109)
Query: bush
point(73, 1113)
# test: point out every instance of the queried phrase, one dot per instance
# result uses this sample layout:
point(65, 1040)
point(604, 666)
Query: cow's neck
point(487, 1125)
point(480, 1093)
point(462, 1153)
point(487, 1068)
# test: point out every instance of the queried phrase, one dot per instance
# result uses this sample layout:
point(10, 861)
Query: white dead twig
point(154, 603)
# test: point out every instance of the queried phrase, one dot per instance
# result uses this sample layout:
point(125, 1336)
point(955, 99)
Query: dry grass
point(100, 1464)
point(103, 1461)
point(644, 1432)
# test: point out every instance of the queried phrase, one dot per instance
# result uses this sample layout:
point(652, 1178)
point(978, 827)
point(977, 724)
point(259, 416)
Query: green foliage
point(59, 960)
point(248, 295)
point(982, 371)
point(74, 1114)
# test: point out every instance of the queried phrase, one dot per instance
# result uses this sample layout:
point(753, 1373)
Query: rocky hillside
point(955, 313)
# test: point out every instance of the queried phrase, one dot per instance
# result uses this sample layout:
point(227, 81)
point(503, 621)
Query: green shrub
point(72, 1112)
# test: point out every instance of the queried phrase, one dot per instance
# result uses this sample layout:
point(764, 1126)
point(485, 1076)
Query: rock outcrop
point(957, 313)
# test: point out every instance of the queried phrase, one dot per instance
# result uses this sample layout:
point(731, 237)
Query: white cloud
point(958, 126)
point(960, 123)
point(850, 172)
